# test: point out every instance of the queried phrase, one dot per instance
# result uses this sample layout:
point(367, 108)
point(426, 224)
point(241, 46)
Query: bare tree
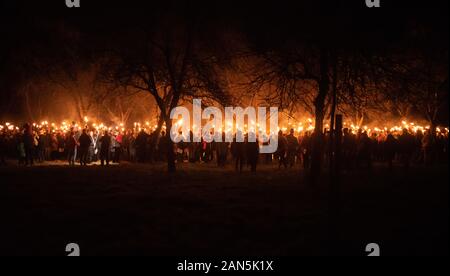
point(171, 64)
point(301, 77)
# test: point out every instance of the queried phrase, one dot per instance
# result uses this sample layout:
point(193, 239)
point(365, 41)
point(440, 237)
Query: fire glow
point(229, 127)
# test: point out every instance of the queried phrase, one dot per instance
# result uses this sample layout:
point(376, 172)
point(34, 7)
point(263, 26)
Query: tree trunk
point(319, 104)
point(359, 118)
point(170, 154)
point(333, 115)
point(28, 105)
point(79, 113)
point(156, 138)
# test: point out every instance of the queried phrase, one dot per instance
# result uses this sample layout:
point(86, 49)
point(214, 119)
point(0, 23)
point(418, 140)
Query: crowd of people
point(363, 148)
point(88, 145)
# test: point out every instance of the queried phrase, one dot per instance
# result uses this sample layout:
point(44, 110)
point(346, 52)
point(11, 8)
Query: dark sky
point(263, 12)
point(22, 20)
point(27, 23)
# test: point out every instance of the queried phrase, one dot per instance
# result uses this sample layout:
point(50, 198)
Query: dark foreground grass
point(203, 210)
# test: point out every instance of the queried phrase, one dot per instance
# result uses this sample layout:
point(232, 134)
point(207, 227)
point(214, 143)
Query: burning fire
point(229, 127)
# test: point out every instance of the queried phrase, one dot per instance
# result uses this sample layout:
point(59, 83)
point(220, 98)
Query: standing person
point(427, 146)
point(191, 148)
point(181, 148)
point(3, 145)
point(92, 151)
point(105, 145)
point(126, 143)
point(117, 147)
point(132, 147)
point(306, 149)
point(71, 148)
point(36, 147)
point(53, 147)
point(84, 142)
point(141, 146)
point(364, 150)
point(292, 147)
point(61, 145)
point(222, 152)
point(41, 146)
point(203, 147)
point(441, 145)
point(348, 149)
point(406, 142)
point(252, 149)
point(153, 146)
point(390, 149)
point(282, 150)
point(209, 149)
point(238, 150)
point(418, 154)
point(48, 145)
point(266, 157)
point(28, 141)
point(112, 148)
point(21, 154)
point(163, 146)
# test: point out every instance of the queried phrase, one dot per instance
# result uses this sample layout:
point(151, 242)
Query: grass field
point(203, 210)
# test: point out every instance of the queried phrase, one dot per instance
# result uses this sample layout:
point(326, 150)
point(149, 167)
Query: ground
point(203, 210)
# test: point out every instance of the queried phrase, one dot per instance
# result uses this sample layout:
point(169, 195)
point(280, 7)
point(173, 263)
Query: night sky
point(33, 28)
